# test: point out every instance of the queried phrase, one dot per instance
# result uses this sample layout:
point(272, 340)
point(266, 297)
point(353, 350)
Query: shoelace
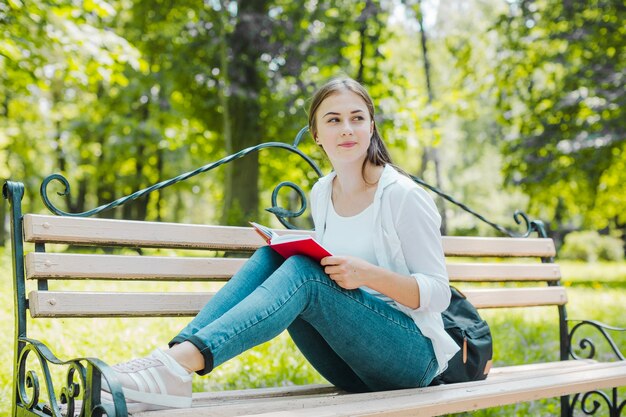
point(137, 364)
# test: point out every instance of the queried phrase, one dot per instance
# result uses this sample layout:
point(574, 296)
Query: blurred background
point(504, 104)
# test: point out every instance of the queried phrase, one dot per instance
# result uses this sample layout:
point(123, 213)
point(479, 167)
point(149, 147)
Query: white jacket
point(407, 241)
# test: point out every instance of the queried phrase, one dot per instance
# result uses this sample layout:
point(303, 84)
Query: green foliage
point(590, 246)
point(562, 101)
point(119, 95)
point(126, 95)
point(597, 275)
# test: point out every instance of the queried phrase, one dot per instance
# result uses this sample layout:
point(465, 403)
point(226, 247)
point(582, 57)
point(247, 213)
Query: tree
point(562, 103)
point(52, 57)
point(270, 57)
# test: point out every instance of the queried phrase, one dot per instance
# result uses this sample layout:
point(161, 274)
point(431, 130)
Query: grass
point(519, 337)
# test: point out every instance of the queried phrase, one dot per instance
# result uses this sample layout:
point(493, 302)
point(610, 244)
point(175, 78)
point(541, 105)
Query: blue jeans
point(356, 341)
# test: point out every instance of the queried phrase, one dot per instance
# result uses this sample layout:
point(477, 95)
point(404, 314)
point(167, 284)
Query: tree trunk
point(3, 215)
point(140, 206)
point(363, 40)
point(241, 182)
point(244, 114)
point(159, 194)
point(3, 203)
point(105, 190)
point(431, 153)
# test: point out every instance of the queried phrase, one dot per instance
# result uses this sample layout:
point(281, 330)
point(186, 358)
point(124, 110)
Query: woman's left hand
point(349, 272)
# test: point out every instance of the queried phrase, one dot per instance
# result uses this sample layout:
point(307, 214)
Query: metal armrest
point(83, 382)
point(586, 344)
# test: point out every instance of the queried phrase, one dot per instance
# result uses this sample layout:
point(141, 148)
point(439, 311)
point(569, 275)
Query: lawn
point(519, 338)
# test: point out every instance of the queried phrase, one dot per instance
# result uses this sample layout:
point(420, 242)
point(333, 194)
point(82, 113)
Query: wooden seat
point(145, 304)
point(508, 385)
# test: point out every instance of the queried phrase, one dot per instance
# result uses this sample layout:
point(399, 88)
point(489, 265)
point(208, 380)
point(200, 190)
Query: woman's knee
point(300, 262)
point(304, 269)
point(266, 252)
point(266, 258)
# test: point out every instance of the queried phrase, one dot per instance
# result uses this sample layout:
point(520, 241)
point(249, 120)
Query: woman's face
point(344, 127)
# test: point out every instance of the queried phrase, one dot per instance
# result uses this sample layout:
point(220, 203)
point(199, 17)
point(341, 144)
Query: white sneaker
point(156, 382)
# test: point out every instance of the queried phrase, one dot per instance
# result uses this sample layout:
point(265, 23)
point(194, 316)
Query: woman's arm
point(350, 272)
point(417, 221)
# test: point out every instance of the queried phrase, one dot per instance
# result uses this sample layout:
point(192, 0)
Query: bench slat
point(204, 399)
point(482, 396)
point(65, 266)
point(79, 266)
point(430, 401)
point(498, 246)
point(116, 304)
point(56, 229)
point(480, 272)
point(516, 297)
point(103, 232)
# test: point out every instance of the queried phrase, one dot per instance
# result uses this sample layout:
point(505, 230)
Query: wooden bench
point(512, 283)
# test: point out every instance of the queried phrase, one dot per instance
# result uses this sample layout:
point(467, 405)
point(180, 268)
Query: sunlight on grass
point(607, 274)
point(524, 336)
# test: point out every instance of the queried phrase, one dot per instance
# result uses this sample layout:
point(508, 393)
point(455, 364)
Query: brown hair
point(377, 152)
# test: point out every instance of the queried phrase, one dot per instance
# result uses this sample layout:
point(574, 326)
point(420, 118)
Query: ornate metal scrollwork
point(519, 216)
point(163, 184)
point(586, 343)
point(83, 376)
point(590, 402)
point(282, 213)
point(614, 407)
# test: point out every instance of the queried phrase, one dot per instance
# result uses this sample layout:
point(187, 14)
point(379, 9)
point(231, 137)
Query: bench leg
point(565, 407)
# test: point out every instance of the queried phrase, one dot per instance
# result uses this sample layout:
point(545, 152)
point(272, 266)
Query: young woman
point(367, 318)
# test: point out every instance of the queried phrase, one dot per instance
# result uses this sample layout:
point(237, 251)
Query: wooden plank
point(115, 304)
point(539, 368)
point(501, 272)
point(203, 399)
point(516, 297)
point(498, 246)
point(81, 266)
point(142, 304)
point(430, 401)
point(469, 399)
point(108, 232)
point(224, 397)
point(55, 229)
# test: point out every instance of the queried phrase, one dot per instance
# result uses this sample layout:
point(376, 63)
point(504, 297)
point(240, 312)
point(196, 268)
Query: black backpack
point(463, 323)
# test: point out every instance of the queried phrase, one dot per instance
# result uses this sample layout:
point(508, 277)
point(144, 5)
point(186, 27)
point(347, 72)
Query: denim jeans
point(356, 341)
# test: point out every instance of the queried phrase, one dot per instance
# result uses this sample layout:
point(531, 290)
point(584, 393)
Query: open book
point(289, 245)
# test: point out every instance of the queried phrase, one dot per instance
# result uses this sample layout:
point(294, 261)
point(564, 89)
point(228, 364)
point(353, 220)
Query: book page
point(288, 238)
point(265, 232)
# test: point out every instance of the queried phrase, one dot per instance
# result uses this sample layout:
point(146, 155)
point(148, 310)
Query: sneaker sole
point(134, 405)
point(169, 401)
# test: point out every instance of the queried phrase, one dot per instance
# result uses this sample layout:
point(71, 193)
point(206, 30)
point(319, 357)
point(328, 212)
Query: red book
point(289, 245)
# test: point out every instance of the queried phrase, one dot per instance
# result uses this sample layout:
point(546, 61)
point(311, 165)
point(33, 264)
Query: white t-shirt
point(353, 236)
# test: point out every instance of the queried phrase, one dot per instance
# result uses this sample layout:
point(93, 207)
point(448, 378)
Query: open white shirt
point(406, 240)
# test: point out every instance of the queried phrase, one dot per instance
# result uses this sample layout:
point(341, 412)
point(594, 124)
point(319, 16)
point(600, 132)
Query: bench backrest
point(470, 259)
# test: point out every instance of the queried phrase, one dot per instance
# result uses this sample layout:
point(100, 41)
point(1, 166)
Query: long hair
point(377, 152)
